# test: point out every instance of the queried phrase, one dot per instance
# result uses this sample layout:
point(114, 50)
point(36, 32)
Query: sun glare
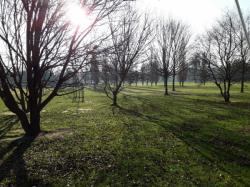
point(78, 16)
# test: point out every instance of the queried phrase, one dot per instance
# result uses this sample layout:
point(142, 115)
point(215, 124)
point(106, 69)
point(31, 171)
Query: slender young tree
point(220, 53)
point(152, 67)
point(143, 74)
point(170, 36)
point(194, 66)
point(204, 72)
point(129, 38)
point(243, 48)
point(180, 54)
point(94, 68)
point(154, 72)
point(165, 35)
point(180, 49)
point(182, 72)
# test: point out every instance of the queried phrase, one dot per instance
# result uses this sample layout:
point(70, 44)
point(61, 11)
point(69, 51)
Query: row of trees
point(222, 55)
point(138, 49)
point(41, 49)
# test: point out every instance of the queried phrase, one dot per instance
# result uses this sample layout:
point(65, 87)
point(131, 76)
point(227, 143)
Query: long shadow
point(235, 109)
point(13, 164)
point(216, 145)
point(129, 111)
point(216, 151)
point(6, 123)
point(203, 99)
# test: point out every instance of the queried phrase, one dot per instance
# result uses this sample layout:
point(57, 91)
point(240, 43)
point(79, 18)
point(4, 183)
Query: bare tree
point(143, 74)
point(129, 37)
point(242, 47)
point(165, 35)
point(170, 35)
point(133, 77)
point(180, 47)
point(38, 39)
point(182, 69)
point(220, 53)
point(182, 72)
point(94, 68)
point(152, 67)
point(130, 78)
point(136, 77)
point(203, 72)
point(194, 66)
point(154, 71)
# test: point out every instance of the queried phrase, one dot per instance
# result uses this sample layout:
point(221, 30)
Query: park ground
point(189, 138)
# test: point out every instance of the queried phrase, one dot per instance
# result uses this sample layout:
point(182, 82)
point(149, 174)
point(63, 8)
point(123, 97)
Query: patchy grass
point(190, 138)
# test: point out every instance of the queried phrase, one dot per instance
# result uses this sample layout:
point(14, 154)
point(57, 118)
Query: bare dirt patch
point(245, 130)
point(59, 133)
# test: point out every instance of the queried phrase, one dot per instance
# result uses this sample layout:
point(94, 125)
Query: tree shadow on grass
point(6, 123)
point(127, 111)
point(227, 149)
point(12, 164)
point(225, 153)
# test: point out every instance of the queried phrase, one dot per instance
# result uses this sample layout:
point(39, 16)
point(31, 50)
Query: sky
point(199, 14)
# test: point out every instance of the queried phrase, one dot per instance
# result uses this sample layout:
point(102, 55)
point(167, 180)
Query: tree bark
point(173, 88)
point(114, 99)
point(166, 85)
point(243, 77)
point(34, 123)
point(32, 128)
point(227, 97)
point(225, 90)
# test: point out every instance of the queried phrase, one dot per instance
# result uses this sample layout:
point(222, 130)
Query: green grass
point(190, 138)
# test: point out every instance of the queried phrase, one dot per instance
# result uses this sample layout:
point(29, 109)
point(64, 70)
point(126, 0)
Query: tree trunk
point(243, 77)
point(166, 85)
point(173, 88)
point(24, 122)
point(31, 129)
point(227, 100)
point(35, 117)
point(227, 97)
point(225, 91)
point(114, 99)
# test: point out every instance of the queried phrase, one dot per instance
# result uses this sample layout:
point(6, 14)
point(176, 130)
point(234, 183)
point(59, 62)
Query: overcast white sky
point(199, 14)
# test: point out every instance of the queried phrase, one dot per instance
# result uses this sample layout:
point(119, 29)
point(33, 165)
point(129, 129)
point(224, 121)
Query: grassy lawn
point(190, 138)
